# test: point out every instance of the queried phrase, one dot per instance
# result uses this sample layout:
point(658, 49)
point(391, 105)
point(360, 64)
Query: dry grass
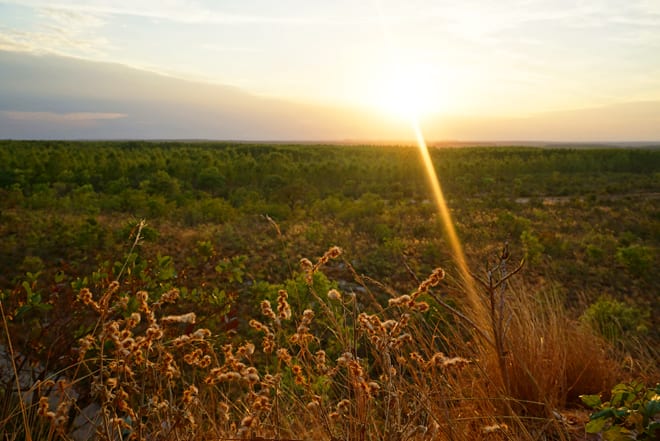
point(345, 368)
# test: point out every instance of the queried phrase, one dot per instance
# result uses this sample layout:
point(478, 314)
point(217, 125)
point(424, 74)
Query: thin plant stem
point(28, 434)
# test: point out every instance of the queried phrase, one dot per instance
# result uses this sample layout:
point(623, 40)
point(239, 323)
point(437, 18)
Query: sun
point(406, 90)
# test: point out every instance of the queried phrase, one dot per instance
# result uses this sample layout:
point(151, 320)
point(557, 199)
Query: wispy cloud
point(58, 31)
point(54, 117)
point(219, 48)
point(171, 10)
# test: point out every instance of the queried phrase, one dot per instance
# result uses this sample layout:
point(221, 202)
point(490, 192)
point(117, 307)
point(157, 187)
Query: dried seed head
point(154, 333)
point(84, 344)
point(188, 318)
point(193, 358)
point(457, 362)
point(270, 381)
point(306, 264)
point(307, 317)
point(234, 376)
point(257, 325)
point(373, 387)
point(246, 350)
point(113, 287)
point(142, 296)
point(284, 356)
point(436, 360)
point(205, 362)
point(298, 373)
point(334, 252)
point(494, 428)
point(170, 296)
point(417, 358)
point(111, 383)
point(343, 406)
point(261, 403)
point(436, 276)
point(333, 294)
point(214, 376)
point(190, 394)
point(62, 413)
point(268, 343)
point(223, 408)
point(390, 324)
point(85, 296)
point(283, 308)
point(201, 334)
point(267, 310)
point(44, 407)
point(133, 320)
point(252, 378)
point(401, 340)
point(399, 301)
point(321, 361)
point(247, 421)
point(344, 358)
point(421, 306)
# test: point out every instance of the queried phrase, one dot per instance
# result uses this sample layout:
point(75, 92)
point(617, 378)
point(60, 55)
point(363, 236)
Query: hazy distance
point(55, 97)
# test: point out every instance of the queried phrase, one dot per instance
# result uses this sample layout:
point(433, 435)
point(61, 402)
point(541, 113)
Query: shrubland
point(216, 291)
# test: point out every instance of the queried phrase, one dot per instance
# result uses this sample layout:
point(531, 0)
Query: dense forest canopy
point(587, 218)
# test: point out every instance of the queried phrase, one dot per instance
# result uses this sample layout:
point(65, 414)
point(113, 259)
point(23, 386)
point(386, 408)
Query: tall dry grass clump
point(536, 358)
point(551, 359)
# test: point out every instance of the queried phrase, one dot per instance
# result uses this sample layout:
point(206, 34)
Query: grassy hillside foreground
point(219, 291)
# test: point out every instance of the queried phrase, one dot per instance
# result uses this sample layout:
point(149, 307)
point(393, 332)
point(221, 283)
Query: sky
point(470, 69)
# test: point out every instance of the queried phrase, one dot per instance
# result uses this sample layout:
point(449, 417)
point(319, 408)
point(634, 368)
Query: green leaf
point(59, 277)
point(618, 433)
point(621, 412)
point(608, 412)
point(34, 298)
point(652, 408)
point(43, 307)
point(22, 310)
point(592, 401)
point(27, 288)
point(596, 425)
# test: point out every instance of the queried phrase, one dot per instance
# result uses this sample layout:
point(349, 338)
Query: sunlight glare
point(406, 90)
point(447, 222)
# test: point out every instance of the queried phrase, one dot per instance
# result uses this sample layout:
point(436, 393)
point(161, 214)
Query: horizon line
point(383, 142)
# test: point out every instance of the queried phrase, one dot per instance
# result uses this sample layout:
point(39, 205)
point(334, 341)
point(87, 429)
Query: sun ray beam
point(412, 96)
point(447, 222)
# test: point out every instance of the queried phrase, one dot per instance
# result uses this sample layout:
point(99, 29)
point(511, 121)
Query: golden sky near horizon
point(472, 58)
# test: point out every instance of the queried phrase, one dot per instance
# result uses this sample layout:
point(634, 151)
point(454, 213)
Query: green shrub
point(637, 259)
point(614, 319)
point(532, 246)
point(633, 413)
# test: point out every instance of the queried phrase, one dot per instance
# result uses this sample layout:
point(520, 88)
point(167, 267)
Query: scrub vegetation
point(222, 291)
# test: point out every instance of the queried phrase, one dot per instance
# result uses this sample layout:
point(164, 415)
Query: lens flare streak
point(445, 217)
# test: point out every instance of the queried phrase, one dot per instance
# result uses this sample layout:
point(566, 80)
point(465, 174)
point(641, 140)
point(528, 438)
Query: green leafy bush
point(633, 413)
point(532, 246)
point(638, 259)
point(614, 319)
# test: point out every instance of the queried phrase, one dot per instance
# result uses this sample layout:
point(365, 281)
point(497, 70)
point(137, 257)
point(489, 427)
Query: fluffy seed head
point(283, 308)
point(333, 294)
